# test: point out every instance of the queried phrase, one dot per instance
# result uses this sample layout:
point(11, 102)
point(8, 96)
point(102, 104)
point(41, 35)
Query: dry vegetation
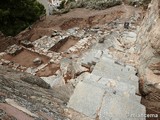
point(89, 4)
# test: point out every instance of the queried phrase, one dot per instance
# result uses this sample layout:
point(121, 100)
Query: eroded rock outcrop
point(30, 97)
point(148, 46)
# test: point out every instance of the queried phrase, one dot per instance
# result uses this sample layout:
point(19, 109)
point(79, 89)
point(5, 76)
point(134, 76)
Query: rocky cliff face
point(148, 44)
point(148, 47)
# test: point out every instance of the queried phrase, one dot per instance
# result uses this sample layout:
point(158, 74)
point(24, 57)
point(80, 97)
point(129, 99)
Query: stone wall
point(148, 44)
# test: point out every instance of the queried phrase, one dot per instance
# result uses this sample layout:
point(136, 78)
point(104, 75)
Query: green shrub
point(16, 15)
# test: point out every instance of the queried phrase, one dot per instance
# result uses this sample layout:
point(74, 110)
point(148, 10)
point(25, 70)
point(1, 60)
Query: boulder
point(33, 80)
point(27, 43)
point(54, 81)
point(101, 40)
point(126, 25)
point(37, 61)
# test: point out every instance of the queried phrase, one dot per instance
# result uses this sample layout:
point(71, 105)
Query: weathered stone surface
point(114, 107)
point(14, 104)
point(35, 81)
point(86, 99)
point(112, 86)
point(45, 43)
point(37, 100)
point(107, 74)
point(54, 80)
point(14, 49)
point(55, 33)
point(77, 69)
point(31, 71)
point(58, 81)
point(81, 77)
point(37, 61)
point(66, 68)
point(101, 40)
point(5, 62)
point(27, 43)
point(91, 58)
point(129, 37)
point(108, 69)
point(9, 112)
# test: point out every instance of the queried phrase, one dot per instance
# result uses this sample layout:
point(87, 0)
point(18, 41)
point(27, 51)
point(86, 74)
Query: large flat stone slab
point(113, 86)
point(115, 107)
point(91, 58)
point(86, 99)
point(107, 68)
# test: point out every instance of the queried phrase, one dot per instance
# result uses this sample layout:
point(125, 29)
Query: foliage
point(16, 15)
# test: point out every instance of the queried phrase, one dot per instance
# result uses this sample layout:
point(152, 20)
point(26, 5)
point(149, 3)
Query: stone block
point(86, 99)
point(115, 107)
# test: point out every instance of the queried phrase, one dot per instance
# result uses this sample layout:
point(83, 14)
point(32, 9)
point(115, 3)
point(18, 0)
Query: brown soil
point(65, 44)
point(25, 58)
point(6, 41)
point(48, 70)
point(151, 109)
point(79, 17)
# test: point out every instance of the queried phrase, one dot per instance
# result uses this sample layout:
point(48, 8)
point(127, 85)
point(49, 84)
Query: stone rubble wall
point(148, 43)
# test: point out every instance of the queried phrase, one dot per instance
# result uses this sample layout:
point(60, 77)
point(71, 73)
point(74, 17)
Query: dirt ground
point(79, 17)
point(48, 70)
point(25, 58)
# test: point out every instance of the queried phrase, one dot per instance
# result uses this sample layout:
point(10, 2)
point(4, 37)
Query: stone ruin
point(96, 78)
point(14, 49)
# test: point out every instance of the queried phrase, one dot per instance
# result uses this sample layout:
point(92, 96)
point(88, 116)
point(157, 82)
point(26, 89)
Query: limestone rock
point(54, 81)
point(14, 49)
point(120, 110)
point(37, 61)
point(86, 99)
point(27, 43)
point(35, 81)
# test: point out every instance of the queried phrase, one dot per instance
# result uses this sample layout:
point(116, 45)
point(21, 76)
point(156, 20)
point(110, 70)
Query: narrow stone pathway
point(109, 91)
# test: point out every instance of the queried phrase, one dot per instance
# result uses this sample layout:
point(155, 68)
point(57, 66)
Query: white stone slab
point(115, 107)
point(86, 99)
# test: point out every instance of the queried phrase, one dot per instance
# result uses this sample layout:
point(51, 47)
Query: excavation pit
point(26, 58)
point(65, 44)
point(49, 70)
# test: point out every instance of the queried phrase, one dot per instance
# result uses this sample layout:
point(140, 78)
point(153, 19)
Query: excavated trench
point(65, 44)
point(25, 58)
point(49, 70)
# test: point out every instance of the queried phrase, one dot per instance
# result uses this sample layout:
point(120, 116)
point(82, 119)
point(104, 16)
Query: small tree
point(16, 15)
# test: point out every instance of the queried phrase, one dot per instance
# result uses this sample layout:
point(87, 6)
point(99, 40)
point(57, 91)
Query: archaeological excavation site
point(83, 60)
